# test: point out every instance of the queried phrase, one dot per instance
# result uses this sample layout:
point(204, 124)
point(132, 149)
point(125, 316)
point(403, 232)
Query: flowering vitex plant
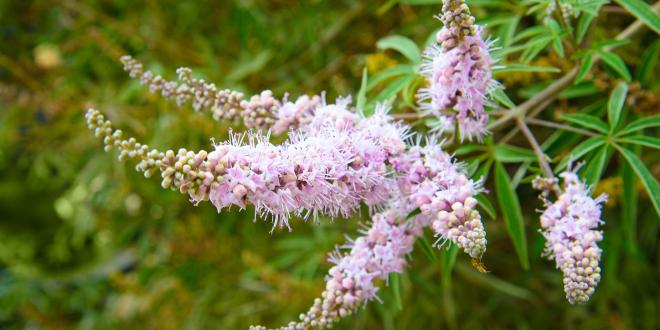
point(338, 157)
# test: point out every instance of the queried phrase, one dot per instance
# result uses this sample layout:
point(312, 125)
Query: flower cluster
point(570, 227)
point(337, 162)
point(433, 182)
point(261, 111)
point(459, 73)
point(381, 250)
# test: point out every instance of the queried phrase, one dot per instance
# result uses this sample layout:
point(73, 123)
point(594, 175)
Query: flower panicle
point(432, 181)
point(570, 227)
point(458, 69)
point(351, 282)
point(328, 167)
point(260, 111)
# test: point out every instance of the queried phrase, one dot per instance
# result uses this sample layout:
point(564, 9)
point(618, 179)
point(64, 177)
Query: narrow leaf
point(643, 11)
point(510, 207)
point(582, 149)
point(643, 173)
point(640, 124)
point(629, 200)
point(448, 259)
point(486, 205)
point(504, 99)
point(583, 26)
point(594, 169)
point(427, 247)
point(587, 121)
point(403, 45)
point(642, 140)
point(362, 93)
point(615, 62)
point(395, 283)
point(585, 67)
point(510, 154)
point(524, 68)
point(647, 63)
point(615, 104)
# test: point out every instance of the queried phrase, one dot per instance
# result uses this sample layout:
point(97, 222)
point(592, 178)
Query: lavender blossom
point(331, 166)
point(459, 72)
point(570, 228)
point(433, 182)
point(351, 283)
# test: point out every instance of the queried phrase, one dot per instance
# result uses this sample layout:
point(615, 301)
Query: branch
point(551, 124)
point(551, 92)
point(543, 159)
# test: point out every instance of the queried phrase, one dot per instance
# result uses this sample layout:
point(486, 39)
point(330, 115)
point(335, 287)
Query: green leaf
point(362, 94)
point(582, 149)
point(524, 68)
point(615, 104)
point(647, 63)
point(505, 153)
point(583, 26)
point(500, 96)
point(403, 45)
point(642, 140)
point(448, 259)
point(404, 69)
point(643, 11)
point(393, 88)
point(426, 246)
point(643, 173)
point(486, 205)
point(395, 283)
point(583, 89)
point(585, 66)
point(594, 169)
point(510, 207)
point(615, 62)
point(493, 282)
point(640, 124)
point(587, 121)
point(629, 200)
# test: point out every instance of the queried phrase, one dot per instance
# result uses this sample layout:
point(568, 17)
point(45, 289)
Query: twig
point(551, 124)
point(543, 159)
point(551, 92)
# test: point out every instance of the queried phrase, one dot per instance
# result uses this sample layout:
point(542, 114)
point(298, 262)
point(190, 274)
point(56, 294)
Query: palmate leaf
point(510, 207)
point(643, 173)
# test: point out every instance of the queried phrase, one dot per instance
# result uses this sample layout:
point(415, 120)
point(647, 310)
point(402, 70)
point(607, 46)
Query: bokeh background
point(87, 243)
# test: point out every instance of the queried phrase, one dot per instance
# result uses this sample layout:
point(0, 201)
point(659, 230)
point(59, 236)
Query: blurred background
point(88, 243)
